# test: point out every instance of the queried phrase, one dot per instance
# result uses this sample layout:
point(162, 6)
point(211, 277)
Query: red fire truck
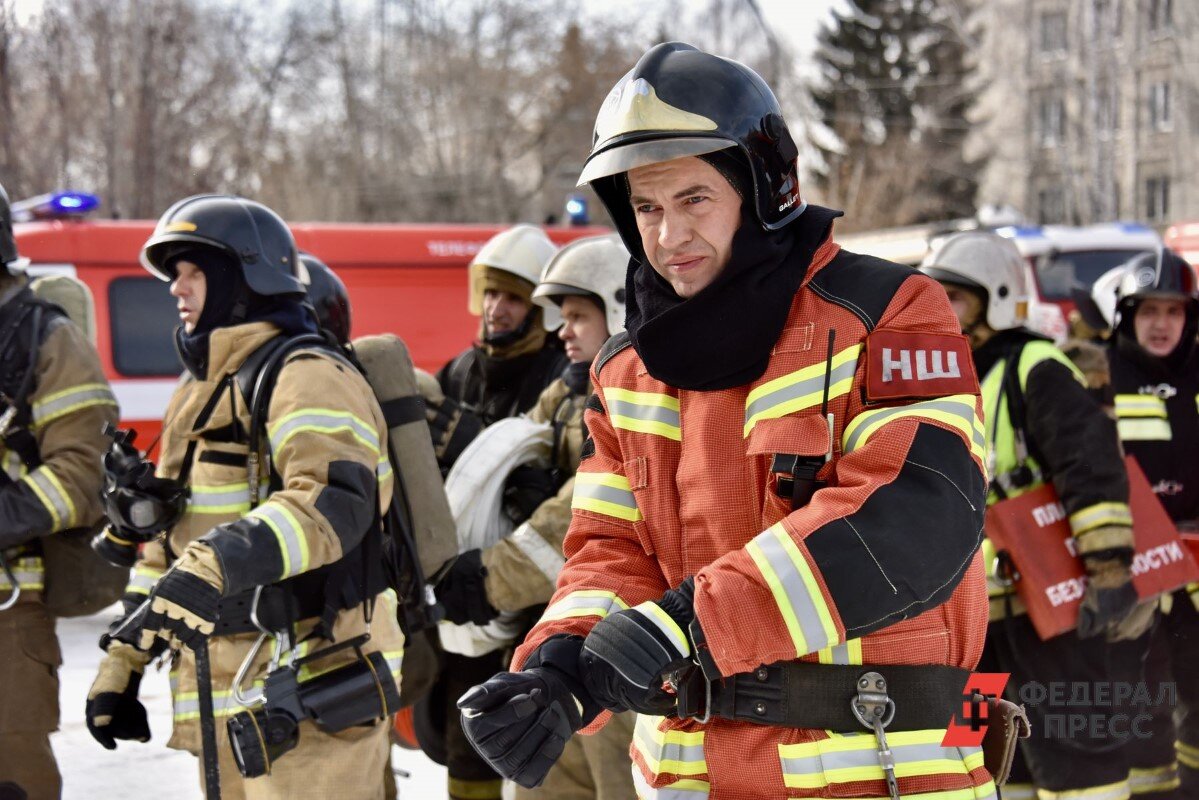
point(404, 279)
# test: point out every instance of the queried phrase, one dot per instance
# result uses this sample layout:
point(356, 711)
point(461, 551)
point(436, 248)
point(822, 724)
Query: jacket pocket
point(805, 436)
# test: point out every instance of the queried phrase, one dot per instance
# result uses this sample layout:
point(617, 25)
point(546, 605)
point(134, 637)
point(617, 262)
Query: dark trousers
point(439, 726)
point(1055, 759)
point(1167, 765)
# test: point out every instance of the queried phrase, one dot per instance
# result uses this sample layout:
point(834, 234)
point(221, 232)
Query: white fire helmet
point(523, 251)
point(595, 265)
point(990, 263)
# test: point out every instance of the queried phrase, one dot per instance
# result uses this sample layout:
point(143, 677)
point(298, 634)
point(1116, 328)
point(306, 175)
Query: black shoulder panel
point(862, 284)
point(611, 347)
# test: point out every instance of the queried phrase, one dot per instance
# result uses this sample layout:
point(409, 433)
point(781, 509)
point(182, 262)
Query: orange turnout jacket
point(880, 567)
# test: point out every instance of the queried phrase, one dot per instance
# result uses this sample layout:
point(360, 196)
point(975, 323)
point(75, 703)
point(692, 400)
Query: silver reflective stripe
point(324, 421)
point(960, 410)
point(220, 499)
point(807, 386)
point(293, 546)
point(585, 603)
point(840, 654)
point(545, 557)
point(13, 466)
point(1111, 791)
point(187, 705)
point(46, 487)
point(649, 413)
point(868, 757)
point(64, 402)
point(29, 572)
point(658, 752)
point(142, 581)
point(608, 494)
point(803, 605)
point(680, 790)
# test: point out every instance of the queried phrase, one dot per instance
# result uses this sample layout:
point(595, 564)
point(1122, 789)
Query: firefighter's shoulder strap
point(78, 582)
point(1011, 387)
point(417, 534)
point(863, 285)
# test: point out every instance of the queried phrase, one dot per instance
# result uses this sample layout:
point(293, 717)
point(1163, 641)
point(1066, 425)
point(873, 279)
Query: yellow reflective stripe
point(1140, 405)
point(1146, 780)
point(849, 652)
point(29, 572)
point(643, 412)
point(585, 603)
point(847, 759)
point(186, 705)
point(1111, 791)
point(322, 420)
point(466, 789)
point(53, 496)
point(605, 493)
point(1144, 430)
point(52, 406)
point(1187, 754)
point(795, 588)
point(957, 411)
point(143, 579)
point(229, 498)
point(676, 752)
point(383, 469)
point(14, 467)
point(293, 545)
point(801, 389)
point(1099, 515)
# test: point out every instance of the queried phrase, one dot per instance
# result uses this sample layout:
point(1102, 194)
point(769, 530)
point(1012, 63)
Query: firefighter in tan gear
point(278, 524)
point(1044, 425)
point(585, 283)
point(54, 405)
point(775, 528)
point(501, 375)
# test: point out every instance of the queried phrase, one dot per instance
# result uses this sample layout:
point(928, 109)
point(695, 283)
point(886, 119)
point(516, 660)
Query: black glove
point(1110, 596)
point(519, 722)
point(526, 488)
point(113, 710)
point(182, 607)
point(463, 592)
point(628, 654)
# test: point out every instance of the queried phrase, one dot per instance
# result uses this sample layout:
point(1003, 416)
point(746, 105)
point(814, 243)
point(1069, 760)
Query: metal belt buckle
point(875, 709)
point(694, 693)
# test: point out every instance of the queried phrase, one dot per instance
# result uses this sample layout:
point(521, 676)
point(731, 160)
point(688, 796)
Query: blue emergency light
point(576, 210)
point(54, 205)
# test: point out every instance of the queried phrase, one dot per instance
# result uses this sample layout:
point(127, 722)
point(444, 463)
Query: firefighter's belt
point(799, 694)
point(278, 609)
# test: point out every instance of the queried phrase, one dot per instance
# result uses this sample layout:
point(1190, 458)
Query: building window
point(1105, 18)
point(1053, 33)
point(1157, 199)
point(1107, 111)
point(1159, 107)
point(1051, 206)
point(1160, 16)
point(1051, 120)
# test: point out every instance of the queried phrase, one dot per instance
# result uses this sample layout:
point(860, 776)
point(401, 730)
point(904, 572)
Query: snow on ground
point(150, 771)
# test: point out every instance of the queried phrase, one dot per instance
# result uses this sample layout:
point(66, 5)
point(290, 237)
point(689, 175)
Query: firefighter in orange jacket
point(773, 556)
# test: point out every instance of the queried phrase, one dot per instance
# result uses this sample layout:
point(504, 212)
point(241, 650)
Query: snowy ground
point(145, 771)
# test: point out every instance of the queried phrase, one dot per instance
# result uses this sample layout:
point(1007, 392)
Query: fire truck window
point(1059, 273)
point(143, 320)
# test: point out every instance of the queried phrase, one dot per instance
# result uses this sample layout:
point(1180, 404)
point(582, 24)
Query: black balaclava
point(722, 337)
point(229, 301)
